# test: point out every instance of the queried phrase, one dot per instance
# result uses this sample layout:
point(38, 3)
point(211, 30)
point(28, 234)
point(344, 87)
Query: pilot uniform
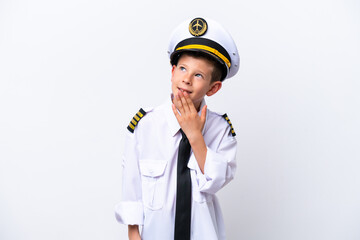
point(149, 176)
point(149, 180)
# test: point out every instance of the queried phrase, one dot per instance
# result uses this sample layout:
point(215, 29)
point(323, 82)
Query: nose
point(187, 79)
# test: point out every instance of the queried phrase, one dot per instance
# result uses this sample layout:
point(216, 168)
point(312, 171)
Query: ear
point(173, 70)
point(214, 87)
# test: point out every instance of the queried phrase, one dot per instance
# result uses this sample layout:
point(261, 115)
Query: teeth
point(182, 90)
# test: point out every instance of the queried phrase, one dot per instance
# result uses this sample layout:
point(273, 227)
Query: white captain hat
point(209, 37)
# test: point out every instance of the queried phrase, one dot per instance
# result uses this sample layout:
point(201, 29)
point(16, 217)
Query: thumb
point(203, 114)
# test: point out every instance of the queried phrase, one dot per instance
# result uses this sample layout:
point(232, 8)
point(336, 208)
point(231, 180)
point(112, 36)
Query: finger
point(190, 103)
point(177, 115)
point(178, 103)
point(184, 101)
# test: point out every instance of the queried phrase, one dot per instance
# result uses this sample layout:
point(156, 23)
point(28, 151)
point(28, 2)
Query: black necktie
point(183, 192)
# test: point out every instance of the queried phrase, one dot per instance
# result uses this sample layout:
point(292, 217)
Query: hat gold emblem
point(198, 27)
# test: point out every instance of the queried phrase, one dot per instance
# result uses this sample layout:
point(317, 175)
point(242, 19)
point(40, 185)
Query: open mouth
point(183, 90)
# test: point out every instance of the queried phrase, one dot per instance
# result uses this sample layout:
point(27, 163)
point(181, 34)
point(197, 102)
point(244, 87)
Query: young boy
point(178, 155)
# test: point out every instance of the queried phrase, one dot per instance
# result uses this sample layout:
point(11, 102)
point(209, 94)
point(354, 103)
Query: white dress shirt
point(149, 176)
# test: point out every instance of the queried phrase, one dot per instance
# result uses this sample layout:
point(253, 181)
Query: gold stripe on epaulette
point(135, 120)
point(230, 124)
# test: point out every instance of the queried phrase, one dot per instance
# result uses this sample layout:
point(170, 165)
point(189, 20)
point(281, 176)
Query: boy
point(178, 155)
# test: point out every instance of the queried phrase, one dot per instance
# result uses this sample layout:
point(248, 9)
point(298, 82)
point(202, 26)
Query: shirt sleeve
point(130, 210)
point(220, 165)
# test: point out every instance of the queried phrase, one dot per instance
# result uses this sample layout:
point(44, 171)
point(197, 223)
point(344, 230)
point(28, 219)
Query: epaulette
point(134, 121)
point(225, 116)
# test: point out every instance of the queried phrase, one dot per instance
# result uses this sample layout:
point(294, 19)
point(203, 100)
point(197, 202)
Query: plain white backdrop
point(73, 73)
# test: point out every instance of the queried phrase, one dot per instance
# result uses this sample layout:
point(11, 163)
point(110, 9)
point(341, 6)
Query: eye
point(199, 75)
point(182, 68)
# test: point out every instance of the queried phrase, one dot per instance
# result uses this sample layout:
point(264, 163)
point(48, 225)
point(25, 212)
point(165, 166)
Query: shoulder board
point(225, 116)
point(134, 121)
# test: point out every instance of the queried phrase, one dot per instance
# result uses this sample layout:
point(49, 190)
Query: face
point(193, 75)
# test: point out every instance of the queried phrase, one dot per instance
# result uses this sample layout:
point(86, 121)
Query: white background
point(74, 72)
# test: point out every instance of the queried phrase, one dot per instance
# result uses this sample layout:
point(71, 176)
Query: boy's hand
point(133, 232)
point(190, 122)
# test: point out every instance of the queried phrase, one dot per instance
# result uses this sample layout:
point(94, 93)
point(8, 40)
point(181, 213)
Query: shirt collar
point(171, 119)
